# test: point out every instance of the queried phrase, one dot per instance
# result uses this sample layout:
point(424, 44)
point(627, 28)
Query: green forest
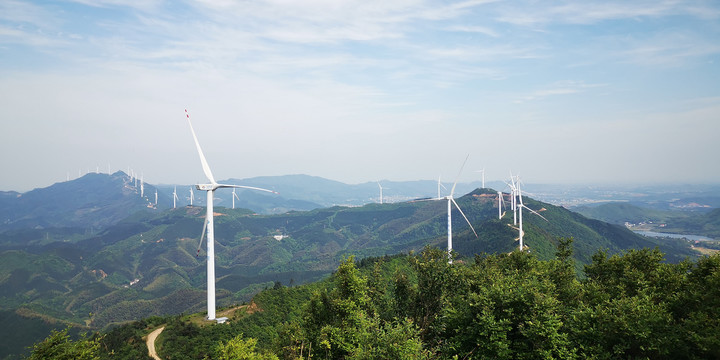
point(632, 305)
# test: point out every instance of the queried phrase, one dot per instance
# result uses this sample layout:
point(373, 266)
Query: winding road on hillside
point(151, 342)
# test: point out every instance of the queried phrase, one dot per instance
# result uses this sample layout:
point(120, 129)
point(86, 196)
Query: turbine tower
point(483, 176)
point(500, 204)
point(439, 186)
point(210, 189)
point(513, 197)
point(450, 202)
point(234, 196)
point(175, 197)
point(381, 189)
point(192, 196)
point(520, 207)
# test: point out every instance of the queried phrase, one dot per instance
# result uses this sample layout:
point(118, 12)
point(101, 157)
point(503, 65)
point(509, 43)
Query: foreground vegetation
point(504, 306)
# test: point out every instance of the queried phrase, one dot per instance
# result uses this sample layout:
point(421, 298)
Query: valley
point(148, 261)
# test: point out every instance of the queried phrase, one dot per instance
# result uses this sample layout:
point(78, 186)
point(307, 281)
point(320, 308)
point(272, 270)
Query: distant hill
point(707, 224)
point(147, 265)
point(305, 192)
point(93, 201)
point(677, 221)
point(622, 212)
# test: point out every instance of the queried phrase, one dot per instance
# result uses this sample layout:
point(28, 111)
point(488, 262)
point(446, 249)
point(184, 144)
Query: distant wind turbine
point(450, 202)
point(513, 197)
point(520, 208)
point(439, 186)
point(381, 189)
point(192, 196)
point(234, 196)
point(156, 197)
point(210, 189)
point(175, 197)
point(501, 203)
point(483, 176)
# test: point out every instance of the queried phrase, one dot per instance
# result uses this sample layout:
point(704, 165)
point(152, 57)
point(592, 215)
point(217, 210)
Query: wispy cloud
point(589, 12)
point(558, 89)
point(668, 48)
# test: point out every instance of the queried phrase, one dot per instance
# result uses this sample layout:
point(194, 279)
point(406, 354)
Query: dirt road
point(151, 342)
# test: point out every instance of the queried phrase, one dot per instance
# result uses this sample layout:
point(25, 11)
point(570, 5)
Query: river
point(674, 236)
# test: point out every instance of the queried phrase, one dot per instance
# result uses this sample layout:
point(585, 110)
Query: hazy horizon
point(592, 92)
point(489, 182)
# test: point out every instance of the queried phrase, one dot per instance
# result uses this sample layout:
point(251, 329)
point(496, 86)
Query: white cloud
point(558, 88)
point(590, 12)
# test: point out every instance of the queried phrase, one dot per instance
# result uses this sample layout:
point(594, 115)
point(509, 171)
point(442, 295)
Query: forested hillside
point(504, 306)
point(150, 264)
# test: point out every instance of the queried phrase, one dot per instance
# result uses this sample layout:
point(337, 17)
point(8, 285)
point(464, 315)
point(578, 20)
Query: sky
point(595, 92)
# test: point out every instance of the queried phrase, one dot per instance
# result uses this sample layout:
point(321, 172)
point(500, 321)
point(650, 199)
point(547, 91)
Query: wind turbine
point(450, 202)
point(142, 187)
point(234, 196)
point(175, 197)
point(513, 197)
point(439, 186)
point(501, 203)
point(192, 196)
point(483, 176)
point(155, 197)
point(381, 189)
point(520, 208)
point(210, 189)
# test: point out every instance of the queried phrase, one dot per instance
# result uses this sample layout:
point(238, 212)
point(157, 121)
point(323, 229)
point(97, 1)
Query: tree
point(344, 324)
point(59, 346)
point(238, 348)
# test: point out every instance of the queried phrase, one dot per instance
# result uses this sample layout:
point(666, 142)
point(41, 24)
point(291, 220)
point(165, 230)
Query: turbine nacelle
point(206, 187)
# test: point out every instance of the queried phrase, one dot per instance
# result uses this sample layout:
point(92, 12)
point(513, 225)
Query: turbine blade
point(534, 212)
point(424, 199)
point(452, 192)
point(205, 166)
point(463, 214)
point(245, 187)
point(202, 236)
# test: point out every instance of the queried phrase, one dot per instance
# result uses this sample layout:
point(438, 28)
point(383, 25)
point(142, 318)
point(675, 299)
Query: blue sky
point(557, 91)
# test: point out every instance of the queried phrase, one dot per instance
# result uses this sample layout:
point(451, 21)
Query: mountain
point(148, 264)
point(305, 192)
point(620, 213)
point(93, 201)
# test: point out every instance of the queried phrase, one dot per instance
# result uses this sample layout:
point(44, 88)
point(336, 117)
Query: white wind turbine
point(439, 186)
point(513, 197)
point(483, 176)
point(450, 201)
point(155, 197)
point(175, 197)
point(520, 207)
point(209, 225)
point(381, 189)
point(192, 196)
point(234, 196)
point(501, 203)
